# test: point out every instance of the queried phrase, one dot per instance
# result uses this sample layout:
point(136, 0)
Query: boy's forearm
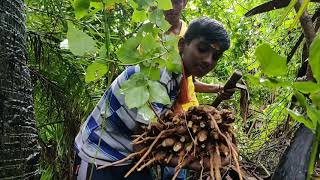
point(207, 88)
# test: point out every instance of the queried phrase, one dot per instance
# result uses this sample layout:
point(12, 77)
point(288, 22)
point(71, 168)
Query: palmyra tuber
point(201, 139)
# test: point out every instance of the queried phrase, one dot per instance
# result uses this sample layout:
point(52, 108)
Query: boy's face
point(199, 57)
point(177, 7)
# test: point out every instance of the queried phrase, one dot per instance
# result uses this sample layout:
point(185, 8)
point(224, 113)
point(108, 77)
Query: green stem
point(106, 32)
point(314, 153)
point(107, 44)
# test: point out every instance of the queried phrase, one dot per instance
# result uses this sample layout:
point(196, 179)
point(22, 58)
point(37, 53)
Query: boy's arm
point(212, 88)
point(207, 88)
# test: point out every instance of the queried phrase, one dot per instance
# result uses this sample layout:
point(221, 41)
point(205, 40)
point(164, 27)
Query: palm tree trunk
point(19, 149)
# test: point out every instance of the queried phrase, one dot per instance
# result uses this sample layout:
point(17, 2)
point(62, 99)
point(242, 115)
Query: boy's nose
point(207, 61)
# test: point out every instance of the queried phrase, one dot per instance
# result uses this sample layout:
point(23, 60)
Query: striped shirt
point(105, 136)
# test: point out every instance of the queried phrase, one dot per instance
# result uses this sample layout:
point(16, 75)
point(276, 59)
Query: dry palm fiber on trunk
point(201, 139)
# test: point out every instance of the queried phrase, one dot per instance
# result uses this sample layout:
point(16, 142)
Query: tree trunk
point(295, 160)
point(19, 149)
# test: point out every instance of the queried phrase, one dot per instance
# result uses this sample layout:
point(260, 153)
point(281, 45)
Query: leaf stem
point(314, 153)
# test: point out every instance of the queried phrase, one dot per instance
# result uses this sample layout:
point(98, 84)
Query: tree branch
point(296, 46)
point(271, 5)
point(306, 24)
point(309, 33)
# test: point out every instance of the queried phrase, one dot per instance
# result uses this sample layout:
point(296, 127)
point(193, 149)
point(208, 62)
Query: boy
point(105, 136)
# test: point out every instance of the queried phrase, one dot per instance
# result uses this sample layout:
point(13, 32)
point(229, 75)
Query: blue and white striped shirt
point(105, 136)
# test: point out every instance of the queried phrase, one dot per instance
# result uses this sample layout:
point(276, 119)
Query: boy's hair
point(209, 29)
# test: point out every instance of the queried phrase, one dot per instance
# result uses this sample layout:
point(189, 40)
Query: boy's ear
point(181, 44)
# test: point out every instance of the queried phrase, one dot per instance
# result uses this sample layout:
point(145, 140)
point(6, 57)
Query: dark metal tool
point(230, 84)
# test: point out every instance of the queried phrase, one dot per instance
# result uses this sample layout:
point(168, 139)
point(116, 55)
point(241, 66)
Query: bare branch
point(269, 6)
point(296, 46)
point(306, 24)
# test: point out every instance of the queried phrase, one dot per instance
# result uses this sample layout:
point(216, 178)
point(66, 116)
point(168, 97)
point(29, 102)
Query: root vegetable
point(167, 160)
point(214, 134)
point(202, 135)
point(168, 142)
point(158, 157)
point(189, 147)
point(202, 124)
point(145, 155)
point(203, 146)
point(195, 128)
point(124, 159)
point(202, 140)
point(217, 164)
point(177, 146)
point(190, 123)
point(227, 116)
point(182, 139)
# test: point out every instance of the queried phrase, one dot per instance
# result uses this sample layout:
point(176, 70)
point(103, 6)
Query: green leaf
point(81, 8)
point(128, 53)
point(171, 42)
point(314, 58)
point(314, 115)
point(148, 27)
point(164, 4)
point(274, 82)
point(109, 3)
point(315, 98)
point(159, 63)
point(136, 96)
point(171, 39)
point(96, 70)
point(306, 87)
point(144, 3)
point(173, 63)
point(153, 73)
point(158, 18)
point(146, 112)
point(103, 51)
point(139, 16)
point(95, 7)
point(303, 7)
point(158, 93)
point(137, 79)
point(271, 63)
point(301, 99)
point(298, 117)
point(133, 4)
point(79, 42)
point(148, 43)
point(253, 80)
point(286, 12)
point(314, 153)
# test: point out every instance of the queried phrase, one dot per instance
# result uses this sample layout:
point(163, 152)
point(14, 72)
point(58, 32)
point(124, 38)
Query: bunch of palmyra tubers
point(202, 139)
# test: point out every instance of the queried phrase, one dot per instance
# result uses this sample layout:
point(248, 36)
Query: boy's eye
point(203, 48)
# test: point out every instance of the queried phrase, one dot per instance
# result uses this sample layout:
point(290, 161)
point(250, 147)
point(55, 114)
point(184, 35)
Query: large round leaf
point(158, 93)
point(136, 97)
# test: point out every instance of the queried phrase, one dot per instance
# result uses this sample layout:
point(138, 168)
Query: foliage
point(310, 116)
point(77, 47)
point(149, 48)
